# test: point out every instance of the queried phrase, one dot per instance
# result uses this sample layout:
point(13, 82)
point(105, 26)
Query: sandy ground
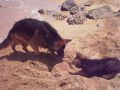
point(21, 71)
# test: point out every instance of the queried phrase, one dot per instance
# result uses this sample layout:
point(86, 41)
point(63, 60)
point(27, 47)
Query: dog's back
point(23, 31)
point(28, 26)
point(100, 66)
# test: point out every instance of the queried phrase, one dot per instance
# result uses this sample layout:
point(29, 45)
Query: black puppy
point(105, 68)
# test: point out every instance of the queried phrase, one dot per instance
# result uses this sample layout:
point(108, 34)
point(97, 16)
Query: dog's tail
point(5, 43)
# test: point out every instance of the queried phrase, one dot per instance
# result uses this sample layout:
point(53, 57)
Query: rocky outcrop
point(77, 18)
point(59, 16)
point(67, 5)
point(41, 11)
point(76, 9)
point(118, 13)
point(47, 12)
point(54, 14)
point(101, 13)
point(88, 4)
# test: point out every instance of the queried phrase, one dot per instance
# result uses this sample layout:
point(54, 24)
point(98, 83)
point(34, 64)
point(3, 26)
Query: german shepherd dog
point(106, 68)
point(37, 34)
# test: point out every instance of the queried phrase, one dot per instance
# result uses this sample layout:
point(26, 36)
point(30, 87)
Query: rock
point(118, 13)
point(41, 11)
point(76, 9)
point(47, 12)
point(59, 16)
point(55, 14)
point(77, 18)
point(88, 4)
point(66, 6)
point(101, 13)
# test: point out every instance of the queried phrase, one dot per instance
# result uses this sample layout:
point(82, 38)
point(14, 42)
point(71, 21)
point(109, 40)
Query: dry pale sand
point(21, 71)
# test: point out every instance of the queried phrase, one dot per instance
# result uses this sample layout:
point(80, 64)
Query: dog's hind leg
point(34, 43)
point(24, 47)
point(35, 48)
point(13, 45)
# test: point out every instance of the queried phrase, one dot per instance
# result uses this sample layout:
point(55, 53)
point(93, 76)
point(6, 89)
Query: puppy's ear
point(67, 40)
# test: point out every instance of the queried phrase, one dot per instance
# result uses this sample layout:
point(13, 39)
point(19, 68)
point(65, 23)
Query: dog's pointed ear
point(67, 40)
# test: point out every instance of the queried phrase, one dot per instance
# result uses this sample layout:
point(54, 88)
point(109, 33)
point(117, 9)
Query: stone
point(101, 13)
point(77, 18)
point(59, 16)
point(88, 4)
point(67, 5)
point(77, 9)
point(41, 11)
point(118, 13)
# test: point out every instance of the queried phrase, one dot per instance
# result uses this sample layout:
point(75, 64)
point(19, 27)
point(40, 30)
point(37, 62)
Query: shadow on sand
point(46, 58)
